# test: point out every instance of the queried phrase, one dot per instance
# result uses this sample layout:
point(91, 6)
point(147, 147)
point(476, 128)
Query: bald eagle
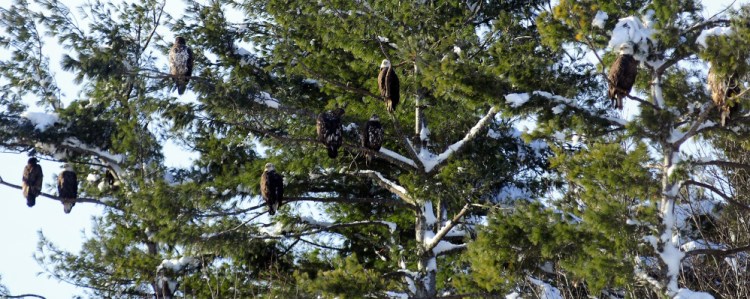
point(388, 85)
point(723, 88)
point(32, 181)
point(328, 125)
point(372, 136)
point(67, 188)
point(272, 188)
point(622, 75)
point(180, 64)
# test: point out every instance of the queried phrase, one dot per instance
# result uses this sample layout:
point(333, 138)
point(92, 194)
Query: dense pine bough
point(503, 171)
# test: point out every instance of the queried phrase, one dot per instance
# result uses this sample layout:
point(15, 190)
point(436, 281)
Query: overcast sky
point(20, 224)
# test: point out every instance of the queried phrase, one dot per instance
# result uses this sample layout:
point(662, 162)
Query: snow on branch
point(440, 246)
point(388, 184)
point(41, 121)
point(431, 161)
point(397, 156)
point(516, 100)
point(716, 31)
point(177, 265)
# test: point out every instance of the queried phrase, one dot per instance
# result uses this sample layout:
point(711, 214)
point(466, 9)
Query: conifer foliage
point(503, 169)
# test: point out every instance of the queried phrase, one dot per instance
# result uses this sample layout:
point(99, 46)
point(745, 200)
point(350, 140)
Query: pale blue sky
point(20, 224)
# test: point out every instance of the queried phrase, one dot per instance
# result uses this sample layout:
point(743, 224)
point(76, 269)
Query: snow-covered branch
point(394, 155)
point(700, 123)
point(389, 185)
point(430, 162)
point(516, 100)
point(447, 228)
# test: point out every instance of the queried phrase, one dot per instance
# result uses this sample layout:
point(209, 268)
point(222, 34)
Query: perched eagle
point(622, 75)
point(723, 88)
point(372, 136)
point(180, 64)
point(388, 85)
point(272, 188)
point(67, 188)
point(32, 181)
point(329, 130)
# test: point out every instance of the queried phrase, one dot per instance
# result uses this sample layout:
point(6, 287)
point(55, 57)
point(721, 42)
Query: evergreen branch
point(320, 245)
point(352, 200)
point(344, 86)
point(722, 163)
point(156, 25)
point(697, 126)
point(447, 228)
point(231, 213)
point(718, 192)
point(22, 296)
point(388, 185)
point(717, 252)
point(459, 145)
point(78, 200)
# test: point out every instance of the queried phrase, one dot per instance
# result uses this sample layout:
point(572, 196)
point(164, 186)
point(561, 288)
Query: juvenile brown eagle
point(272, 188)
point(622, 75)
point(372, 137)
point(180, 64)
point(32, 181)
point(67, 188)
point(328, 125)
point(388, 85)
point(723, 88)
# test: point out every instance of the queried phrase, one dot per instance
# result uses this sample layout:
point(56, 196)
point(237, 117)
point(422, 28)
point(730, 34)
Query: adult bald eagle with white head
point(32, 181)
point(330, 132)
point(272, 188)
point(622, 75)
point(67, 188)
point(180, 64)
point(388, 85)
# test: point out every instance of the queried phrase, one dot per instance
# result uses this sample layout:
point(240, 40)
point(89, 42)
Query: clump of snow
point(397, 295)
point(350, 127)
point(457, 50)
point(631, 29)
point(599, 19)
point(92, 177)
point(266, 99)
point(514, 295)
point(429, 215)
point(688, 294)
point(716, 31)
point(558, 109)
point(178, 264)
point(424, 133)
point(517, 99)
point(42, 121)
point(547, 290)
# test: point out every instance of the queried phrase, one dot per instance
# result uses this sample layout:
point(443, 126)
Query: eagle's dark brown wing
point(271, 188)
point(373, 135)
point(394, 95)
point(621, 78)
point(67, 189)
point(328, 126)
point(32, 183)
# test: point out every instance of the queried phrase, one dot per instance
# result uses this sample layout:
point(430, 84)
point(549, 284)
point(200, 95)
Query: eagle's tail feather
point(332, 152)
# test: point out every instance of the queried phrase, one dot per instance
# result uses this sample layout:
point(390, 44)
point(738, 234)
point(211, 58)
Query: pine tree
point(392, 226)
point(640, 212)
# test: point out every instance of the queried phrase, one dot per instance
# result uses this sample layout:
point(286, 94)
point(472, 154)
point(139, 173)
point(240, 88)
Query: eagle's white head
point(374, 117)
point(67, 167)
point(385, 64)
point(270, 167)
point(626, 48)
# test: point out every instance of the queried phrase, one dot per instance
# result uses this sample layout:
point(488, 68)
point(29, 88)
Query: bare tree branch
point(717, 252)
point(78, 200)
point(718, 192)
point(447, 228)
